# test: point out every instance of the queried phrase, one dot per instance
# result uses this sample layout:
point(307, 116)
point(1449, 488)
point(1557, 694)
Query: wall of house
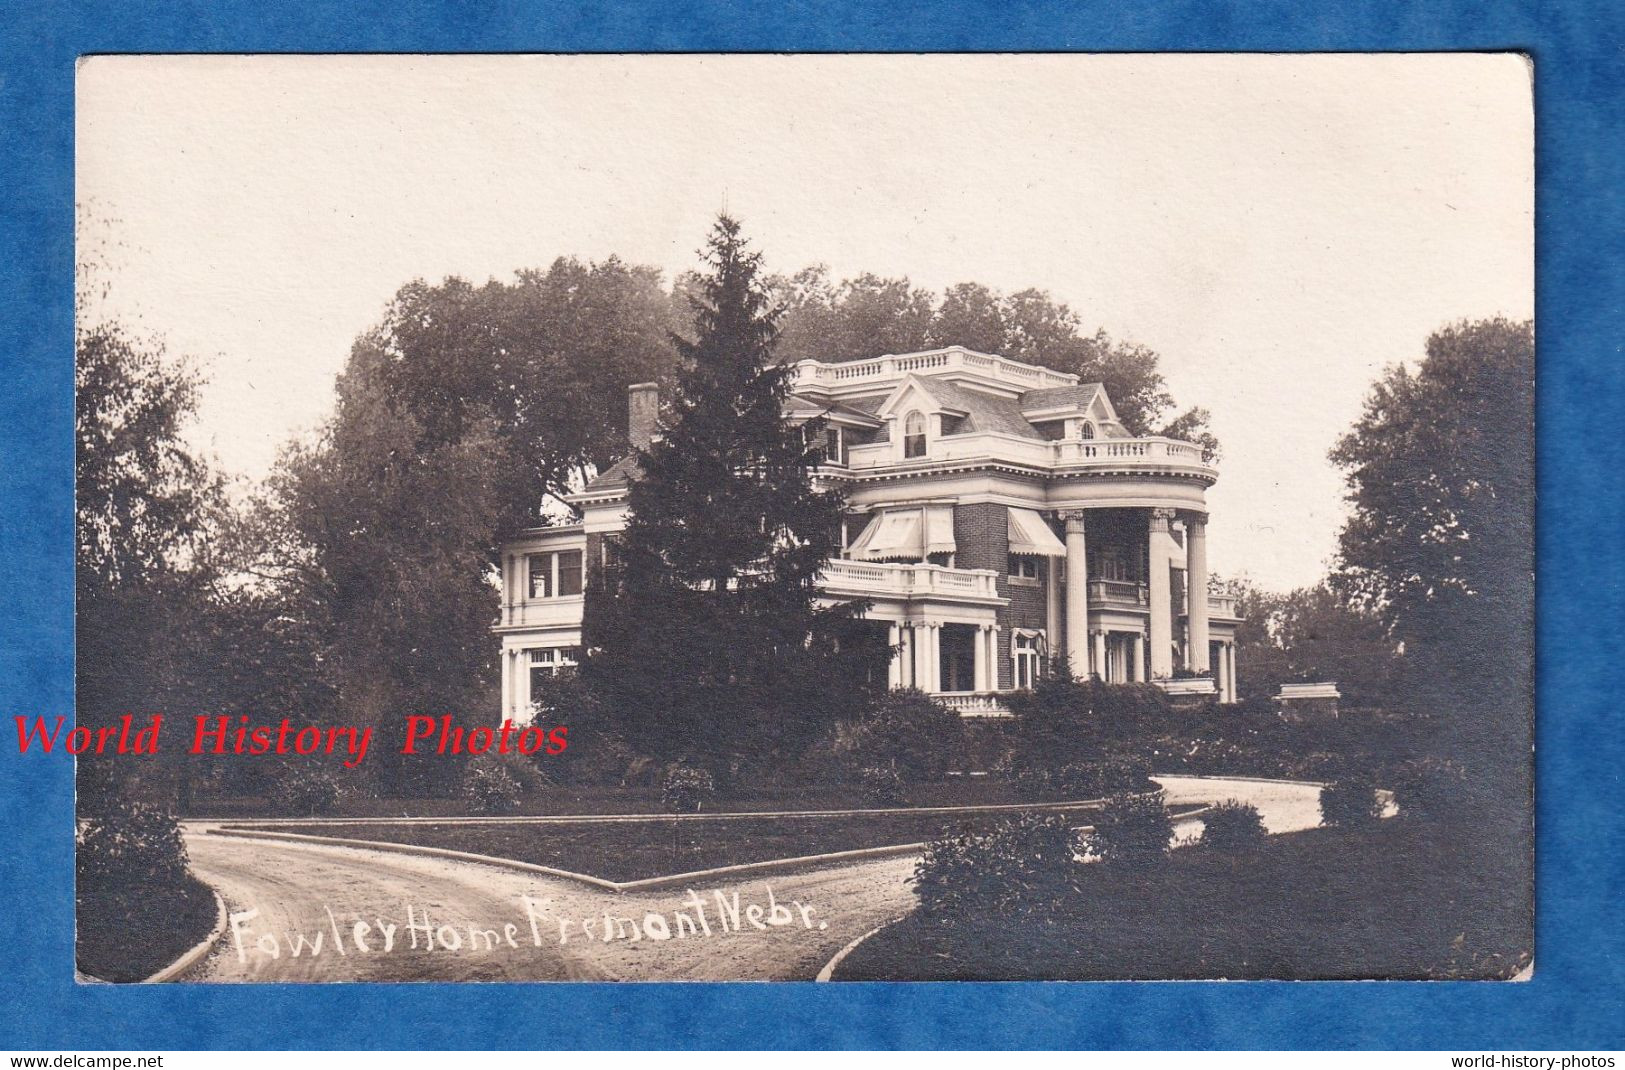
point(982, 540)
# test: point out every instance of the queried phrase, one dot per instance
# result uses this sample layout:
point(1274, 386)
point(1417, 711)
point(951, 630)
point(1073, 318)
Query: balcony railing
point(908, 580)
point(1151, 454)
point(974, 703)
point(542, 612)
point(1222, 605)
point(932, 362)
point(1118, 593)
point(1118, 450)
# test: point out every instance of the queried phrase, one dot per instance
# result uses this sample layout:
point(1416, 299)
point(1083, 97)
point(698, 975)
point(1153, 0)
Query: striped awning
point(1030, 535)
point(908, 534)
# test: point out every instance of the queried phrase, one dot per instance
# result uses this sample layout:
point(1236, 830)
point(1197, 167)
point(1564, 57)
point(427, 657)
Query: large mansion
point(999, 515)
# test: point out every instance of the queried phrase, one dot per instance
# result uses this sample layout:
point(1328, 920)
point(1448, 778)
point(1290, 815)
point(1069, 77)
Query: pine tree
point(704, 637)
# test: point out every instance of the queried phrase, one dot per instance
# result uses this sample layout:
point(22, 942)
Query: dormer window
point(1087, 431)
point(914, 435)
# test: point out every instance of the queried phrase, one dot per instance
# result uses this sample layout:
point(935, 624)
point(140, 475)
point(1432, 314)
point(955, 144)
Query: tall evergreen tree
point(705, 639)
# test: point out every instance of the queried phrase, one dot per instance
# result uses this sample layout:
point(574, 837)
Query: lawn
point(633, 850)
point(563, 799)
point(1404, 900)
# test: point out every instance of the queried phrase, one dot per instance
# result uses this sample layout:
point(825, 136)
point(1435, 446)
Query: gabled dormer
point(1083, 411)
point(916, 416)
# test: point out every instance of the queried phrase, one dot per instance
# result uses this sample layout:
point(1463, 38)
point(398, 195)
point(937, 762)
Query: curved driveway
point(384, 916)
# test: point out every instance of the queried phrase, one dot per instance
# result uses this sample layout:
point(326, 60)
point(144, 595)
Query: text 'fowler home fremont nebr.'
point(999, 516)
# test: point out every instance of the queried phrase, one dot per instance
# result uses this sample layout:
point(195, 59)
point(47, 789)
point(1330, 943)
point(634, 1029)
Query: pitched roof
point(1055, 397)
point(984, 412)
point(619, 474)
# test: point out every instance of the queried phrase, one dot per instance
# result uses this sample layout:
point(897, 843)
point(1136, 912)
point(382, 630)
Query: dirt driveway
point(382, 916)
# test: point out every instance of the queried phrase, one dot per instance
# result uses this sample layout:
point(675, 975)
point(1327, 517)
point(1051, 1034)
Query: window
point(1024, 654)
point(1087, 430)
point(914, 435)
point(555, 575)
point(1024, 567)
point(547, 662)
point(834, 446)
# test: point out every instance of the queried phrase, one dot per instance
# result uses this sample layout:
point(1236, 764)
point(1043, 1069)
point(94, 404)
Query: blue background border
point(1574, 1000)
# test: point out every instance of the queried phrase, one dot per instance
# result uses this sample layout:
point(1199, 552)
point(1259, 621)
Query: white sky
point(1278, 228)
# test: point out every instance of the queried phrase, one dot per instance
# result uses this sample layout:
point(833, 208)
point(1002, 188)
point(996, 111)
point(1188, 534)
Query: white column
point(1196, 650)
point(1137, 653)
point(1100, 654)
point(894, 659)
point(979, 659)
point(1162, 631)
point(1052, 604)
point(1235, 687)
point(933, 649)
point(905, 656)
point(992, 657)
point(507, 685)
point(922, 658)
point(1077, 594)
point(510, 584)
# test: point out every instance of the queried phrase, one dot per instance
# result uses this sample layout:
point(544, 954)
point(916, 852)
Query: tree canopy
point(1440, 543)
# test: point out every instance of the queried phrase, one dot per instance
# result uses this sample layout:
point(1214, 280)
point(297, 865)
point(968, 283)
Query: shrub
point(1024, 865)
point(127, 846)
point(686, 788)
point(907, 730)
point(881, 785)
point(1132, 828)
point(1095, 780)
point(136, 904)
point(1233, 826)
point(1350, 802)
point(489, 787)
point(1431, 788)
point(306, 790)
point(1064, 720)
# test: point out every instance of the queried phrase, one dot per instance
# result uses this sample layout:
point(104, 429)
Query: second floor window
point(914, 435)
point(834, 446)
point(1024, 566)
point(555, 575)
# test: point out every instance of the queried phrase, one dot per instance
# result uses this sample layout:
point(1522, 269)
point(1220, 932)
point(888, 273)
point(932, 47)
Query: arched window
point(1087, 430)
point(914, 435)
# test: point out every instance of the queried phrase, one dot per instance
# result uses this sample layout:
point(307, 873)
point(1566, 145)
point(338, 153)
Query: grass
point(634, 850)
point(1407, 899)
point(133, 933)
point(954, 791)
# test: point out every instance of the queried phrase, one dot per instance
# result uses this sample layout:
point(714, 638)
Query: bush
point(907, 730)
point(306, 790)
point(129, 845)
point(1233, 826)
point(1350, 802)
point(136, 905)
point(1024, 865)
point(1133, 828)
point(1091, 780)
point(881, 785)
point(686, 788)
point(1431, 788)
point(489, 787)
point(1063, 720)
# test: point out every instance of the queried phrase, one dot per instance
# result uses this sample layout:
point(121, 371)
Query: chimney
point(642, 413)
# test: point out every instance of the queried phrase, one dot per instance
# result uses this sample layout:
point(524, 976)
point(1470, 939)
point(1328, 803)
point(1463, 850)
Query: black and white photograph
point(803, 517)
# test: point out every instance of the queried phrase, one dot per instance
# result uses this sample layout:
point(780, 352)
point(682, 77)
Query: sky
point(1278, 228)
